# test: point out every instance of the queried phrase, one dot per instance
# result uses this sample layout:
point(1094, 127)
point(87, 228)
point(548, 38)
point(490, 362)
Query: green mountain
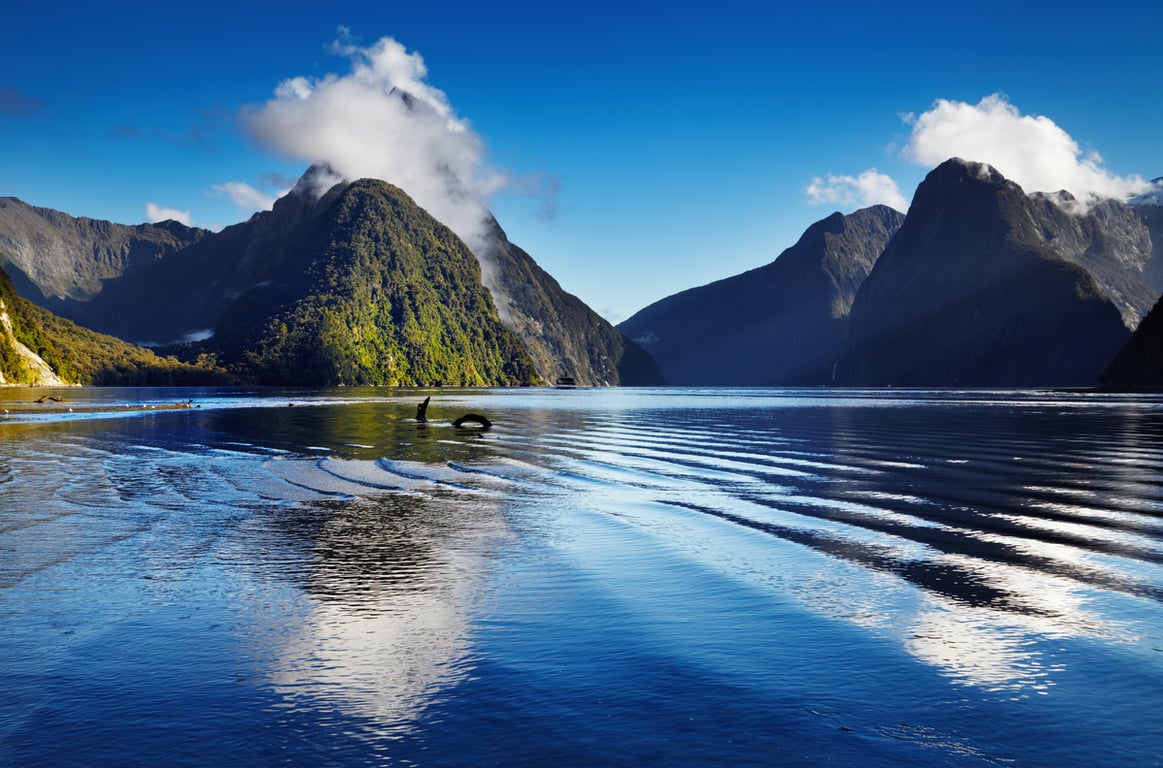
point(365, 287)
point(972, 292)
point(38, 348)
point(782, 324)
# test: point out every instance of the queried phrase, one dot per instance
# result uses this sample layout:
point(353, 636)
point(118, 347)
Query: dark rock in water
point(473, 418)
point(422, 409)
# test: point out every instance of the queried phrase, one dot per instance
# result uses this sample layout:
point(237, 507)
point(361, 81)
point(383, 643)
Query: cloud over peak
point(869, 188)
point(383, 120)
point(156, 213)
point(245, 196)
point(1031, 150)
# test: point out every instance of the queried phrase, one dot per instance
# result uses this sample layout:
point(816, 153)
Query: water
point(606, 577)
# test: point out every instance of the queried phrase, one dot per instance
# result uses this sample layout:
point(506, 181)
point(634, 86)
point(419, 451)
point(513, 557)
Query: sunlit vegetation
point(382, 294)
point(81, 356)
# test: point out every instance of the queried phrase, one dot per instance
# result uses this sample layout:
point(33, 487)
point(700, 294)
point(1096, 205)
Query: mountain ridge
point(780, 324)
point(180, 295)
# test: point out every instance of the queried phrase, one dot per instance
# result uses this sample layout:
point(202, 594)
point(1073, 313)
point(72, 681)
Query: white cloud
point(1031, 150)
point(869, 188)
point(156, 213)
point(247, 197)
point(383, 120)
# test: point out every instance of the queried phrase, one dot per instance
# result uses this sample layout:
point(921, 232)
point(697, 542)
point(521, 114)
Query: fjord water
point(605, 578)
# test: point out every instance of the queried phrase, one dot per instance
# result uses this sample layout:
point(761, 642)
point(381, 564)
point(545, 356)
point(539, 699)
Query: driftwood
point(469, 419)
point(472, 418)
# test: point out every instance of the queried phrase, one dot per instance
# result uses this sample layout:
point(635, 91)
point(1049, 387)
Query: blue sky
point(633, 150)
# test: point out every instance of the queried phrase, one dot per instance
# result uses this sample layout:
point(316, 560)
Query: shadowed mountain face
point(563, 335)
point(783, 324)
point(62, 262)
point(970, 293)
point(1139, 365)
point(982, 285)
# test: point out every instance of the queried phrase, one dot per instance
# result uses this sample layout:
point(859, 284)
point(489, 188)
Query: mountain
point(361, 286)
point(782, 324)
point(1111, 240)
point(973, 292)
point(563, 335)
point(62, 262)
point(1139, 365)
point(39, 348)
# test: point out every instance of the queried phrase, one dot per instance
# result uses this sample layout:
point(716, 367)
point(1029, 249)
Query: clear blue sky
point(656, 146)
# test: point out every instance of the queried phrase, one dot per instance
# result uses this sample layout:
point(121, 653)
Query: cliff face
point(969, 293)
point(1113, 242)
point(783, 324)
point(18, 363)
point(562, 334)
point(66, 261)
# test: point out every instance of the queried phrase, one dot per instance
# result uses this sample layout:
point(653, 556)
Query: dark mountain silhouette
point(782, 324)
point(1139, 365)
point(971, 292)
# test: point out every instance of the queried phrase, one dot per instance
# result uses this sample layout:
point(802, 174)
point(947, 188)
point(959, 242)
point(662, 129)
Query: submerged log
point(473, 418)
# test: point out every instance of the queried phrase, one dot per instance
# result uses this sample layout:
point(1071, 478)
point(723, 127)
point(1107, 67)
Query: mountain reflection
point(388, 585)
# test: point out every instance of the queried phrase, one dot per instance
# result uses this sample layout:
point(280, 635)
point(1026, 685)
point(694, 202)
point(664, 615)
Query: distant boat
point(566, 382)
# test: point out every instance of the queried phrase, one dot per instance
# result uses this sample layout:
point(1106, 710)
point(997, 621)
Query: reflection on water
point(385, 627)
point(318, 560)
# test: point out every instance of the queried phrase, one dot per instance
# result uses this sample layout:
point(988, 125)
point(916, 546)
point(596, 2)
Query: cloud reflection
point(382, 625)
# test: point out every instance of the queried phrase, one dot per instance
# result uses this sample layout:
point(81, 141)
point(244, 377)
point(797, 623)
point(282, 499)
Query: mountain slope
point(187, 286)
point(1139, 365)
point(969, 293)
point(563, 335)
point(39, 348)
point(1113, 242)
point(783, 324)
point(62, 262)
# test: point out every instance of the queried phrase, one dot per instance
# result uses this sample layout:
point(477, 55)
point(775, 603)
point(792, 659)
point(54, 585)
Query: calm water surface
point(606, 578)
